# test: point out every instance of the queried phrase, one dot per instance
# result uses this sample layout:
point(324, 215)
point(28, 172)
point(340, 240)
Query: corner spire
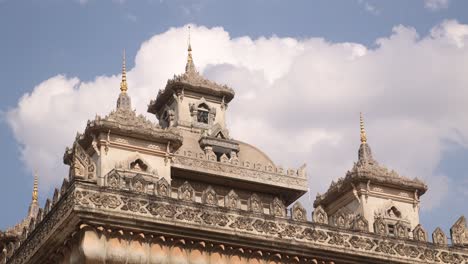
point(35, 193)
point(190, 66)
point(124, 102)
point(123, 83)
point(365, 152)
point(363, 130)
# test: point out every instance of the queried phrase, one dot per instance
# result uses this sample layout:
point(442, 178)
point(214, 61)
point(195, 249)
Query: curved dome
point(252, 154)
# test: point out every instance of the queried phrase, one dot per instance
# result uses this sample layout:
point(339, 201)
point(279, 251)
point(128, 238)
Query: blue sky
point(84, 39)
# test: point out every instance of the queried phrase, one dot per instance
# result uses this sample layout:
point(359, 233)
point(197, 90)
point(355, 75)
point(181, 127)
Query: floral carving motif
point(215, 219)
point(242, 223)
point(104, 200)
point(133, 205)
point(315, 235)
point(408, 251)
point(385, 247)
point(161, 210)
point(337, 239)
point(361, 243)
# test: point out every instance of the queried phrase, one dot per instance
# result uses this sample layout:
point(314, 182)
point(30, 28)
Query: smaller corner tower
point(387, 201)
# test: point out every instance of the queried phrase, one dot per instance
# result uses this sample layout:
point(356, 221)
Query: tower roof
point(368, 169)
point(190, 81)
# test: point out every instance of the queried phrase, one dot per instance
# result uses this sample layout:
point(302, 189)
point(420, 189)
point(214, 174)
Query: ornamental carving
point(380, 227)
point(459, 232)
point(419, 234)
point(133, 205)
point(242, 223)
point(81, 164)
point(255, 204)
point(161, 210)
point(361, 243)
point(439, 237)
point(104, 200)
point(315, 235)
point(231, 200)
point(360, 223)
point(298, 212)
point(186, 192)
point(277, 208)
point(163, 188)
point(320, 216)
point(217, 219)
point(401, 230)
point(209, 196)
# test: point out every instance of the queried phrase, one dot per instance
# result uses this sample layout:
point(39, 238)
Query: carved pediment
point(298, 212)
point(419, 234)
point(277, 208)
point(81, 164)
point(320, 216)
point(255, 204)
point(186, 192)
point(231, 200)
point(439, 237)
point(209, 196)
point(380, 227)
point(459, 232)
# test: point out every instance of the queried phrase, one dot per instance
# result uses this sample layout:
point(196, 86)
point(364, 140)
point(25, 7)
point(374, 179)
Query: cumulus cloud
point(298, 100)
point(436, 4)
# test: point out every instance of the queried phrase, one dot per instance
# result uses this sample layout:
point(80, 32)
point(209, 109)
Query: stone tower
point(386, 200)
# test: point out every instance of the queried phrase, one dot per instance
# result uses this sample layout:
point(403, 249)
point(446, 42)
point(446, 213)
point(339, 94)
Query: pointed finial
point(35, 193)
point(363, 130)
point(123, 83)
point(189, 67)
point(189, 44)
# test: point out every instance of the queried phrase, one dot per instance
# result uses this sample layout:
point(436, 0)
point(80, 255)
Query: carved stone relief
point(459, 232)
point(209, 196)
point(439, 237)
point(298, 212)
point(320, 216)
point(277, 208)
point(163, 187)
point(255, 204)
point(380, 227)
point(231, 200)
point(186, 192)
point(419, 234)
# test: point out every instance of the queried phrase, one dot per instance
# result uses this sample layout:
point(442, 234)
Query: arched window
point(202, 113)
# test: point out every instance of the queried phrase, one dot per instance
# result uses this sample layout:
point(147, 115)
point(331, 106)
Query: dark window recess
point(202, 116)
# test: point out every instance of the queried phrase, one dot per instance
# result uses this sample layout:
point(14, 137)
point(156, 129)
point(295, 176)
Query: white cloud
point(369, 7)
point(299, 100)
point(436, 4)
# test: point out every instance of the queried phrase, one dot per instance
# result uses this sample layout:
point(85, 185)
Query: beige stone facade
point(184, 191)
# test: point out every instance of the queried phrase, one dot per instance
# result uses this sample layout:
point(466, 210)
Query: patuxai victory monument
point(182, 190)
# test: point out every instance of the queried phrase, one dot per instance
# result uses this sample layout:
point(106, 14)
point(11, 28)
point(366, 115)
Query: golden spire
point(363, 130)
point(190, 67)
point(35, 194)
point(123, 83)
